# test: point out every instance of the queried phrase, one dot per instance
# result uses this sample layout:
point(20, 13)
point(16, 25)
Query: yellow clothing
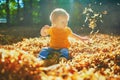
point(59, 37)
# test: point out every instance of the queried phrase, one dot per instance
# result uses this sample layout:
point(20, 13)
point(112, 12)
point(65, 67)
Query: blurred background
point(24, 18)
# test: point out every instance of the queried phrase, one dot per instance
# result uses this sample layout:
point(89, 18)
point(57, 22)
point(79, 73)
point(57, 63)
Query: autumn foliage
point(98, 60)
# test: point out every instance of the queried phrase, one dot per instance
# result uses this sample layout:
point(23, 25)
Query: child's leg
point(44, 53)
point(64, 53)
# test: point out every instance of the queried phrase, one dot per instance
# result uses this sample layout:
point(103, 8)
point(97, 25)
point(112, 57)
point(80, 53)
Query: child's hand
point(85, 38)
point(44, 30)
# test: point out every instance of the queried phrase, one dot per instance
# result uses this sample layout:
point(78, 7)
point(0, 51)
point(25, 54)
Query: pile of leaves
point(98, 60)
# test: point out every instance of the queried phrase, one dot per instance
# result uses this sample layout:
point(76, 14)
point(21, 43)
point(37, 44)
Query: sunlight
point(20, 3)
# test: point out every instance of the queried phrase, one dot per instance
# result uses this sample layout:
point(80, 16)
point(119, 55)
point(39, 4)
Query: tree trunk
point(18, 12)
point(28, 8)
point(30, 12)
point(8, 12)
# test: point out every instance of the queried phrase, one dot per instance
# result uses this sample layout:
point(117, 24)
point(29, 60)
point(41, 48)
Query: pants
point(46, 51)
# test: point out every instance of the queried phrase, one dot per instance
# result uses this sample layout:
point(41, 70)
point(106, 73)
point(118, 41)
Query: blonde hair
point(58, 12)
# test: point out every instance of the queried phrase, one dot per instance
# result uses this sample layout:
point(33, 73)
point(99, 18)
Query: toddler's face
point(61, 21)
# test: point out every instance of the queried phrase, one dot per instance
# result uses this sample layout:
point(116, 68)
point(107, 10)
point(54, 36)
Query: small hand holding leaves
point(44, 30)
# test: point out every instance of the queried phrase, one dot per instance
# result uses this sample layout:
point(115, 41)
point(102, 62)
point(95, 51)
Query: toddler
point(59, 33)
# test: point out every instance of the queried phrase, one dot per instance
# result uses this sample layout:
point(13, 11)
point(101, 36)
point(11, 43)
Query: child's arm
point(79, 37)
point(44, 30)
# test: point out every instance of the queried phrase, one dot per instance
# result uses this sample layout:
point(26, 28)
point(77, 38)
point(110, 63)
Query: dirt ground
point(14, 34)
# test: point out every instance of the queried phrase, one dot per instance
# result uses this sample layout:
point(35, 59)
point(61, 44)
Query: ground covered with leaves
point(98, 60)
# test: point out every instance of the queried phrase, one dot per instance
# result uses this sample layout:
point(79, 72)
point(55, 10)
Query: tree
point(18, 12)
point(27, 10)
point(8, 12)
